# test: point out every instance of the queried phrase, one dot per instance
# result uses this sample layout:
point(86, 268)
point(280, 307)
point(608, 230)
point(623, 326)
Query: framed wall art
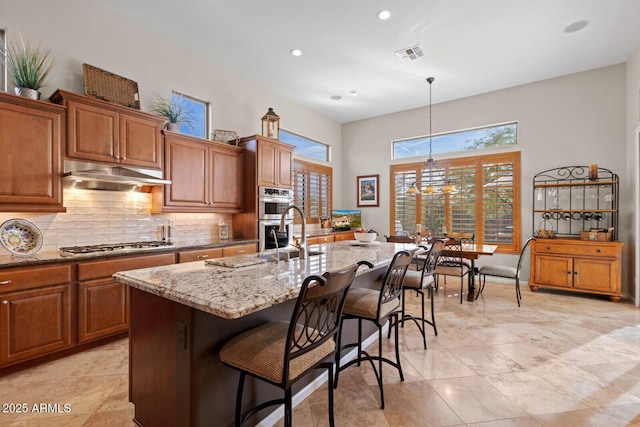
point(368, 190)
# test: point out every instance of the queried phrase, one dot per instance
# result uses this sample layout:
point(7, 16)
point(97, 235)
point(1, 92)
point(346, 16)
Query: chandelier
point(430, 164)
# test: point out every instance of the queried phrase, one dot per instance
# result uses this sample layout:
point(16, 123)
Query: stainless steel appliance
point(114, 247)
point(272, 202)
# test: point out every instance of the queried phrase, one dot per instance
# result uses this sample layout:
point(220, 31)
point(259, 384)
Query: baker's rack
point(575, 199)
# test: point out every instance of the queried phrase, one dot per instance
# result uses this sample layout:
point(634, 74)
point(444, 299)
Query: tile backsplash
point(96, 217)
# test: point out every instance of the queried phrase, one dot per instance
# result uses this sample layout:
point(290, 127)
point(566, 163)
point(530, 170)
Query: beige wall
point(572, 120)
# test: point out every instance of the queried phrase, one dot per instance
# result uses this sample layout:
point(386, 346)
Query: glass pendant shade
point(429, 189)
point(449, 188)
point(413, 189)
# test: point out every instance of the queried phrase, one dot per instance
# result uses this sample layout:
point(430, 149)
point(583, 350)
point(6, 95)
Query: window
point(471, 139)
point(199, 126)
point(487, 200)
point(305, 146)
point(312, 189)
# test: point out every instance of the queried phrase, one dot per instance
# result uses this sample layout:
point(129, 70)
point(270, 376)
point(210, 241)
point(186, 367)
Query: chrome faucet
point(275, 238)
point(303, 239)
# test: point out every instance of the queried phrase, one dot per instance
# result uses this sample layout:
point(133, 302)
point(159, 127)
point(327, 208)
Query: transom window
point(501, 135)
point(486, 201)
point(199, 126)
point(305, 146)
point(3, 63)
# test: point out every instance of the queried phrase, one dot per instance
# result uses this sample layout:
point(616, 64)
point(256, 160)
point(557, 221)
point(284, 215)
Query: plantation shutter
point(498, 202)
point(404, 205)
point(463, 202)
point(312, 188)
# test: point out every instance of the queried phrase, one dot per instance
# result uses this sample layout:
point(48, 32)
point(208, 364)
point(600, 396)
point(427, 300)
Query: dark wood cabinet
point(103, 303)
point(205, 176)
point(36, 312)
point(32, 134)
point(274, 162)
point(105, 132)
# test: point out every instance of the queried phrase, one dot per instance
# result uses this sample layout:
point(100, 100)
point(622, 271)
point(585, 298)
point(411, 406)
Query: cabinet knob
point(568, 272)
point(598, 250)
point(548, 248)
point(240, 251)
point(202, 256)
point(5, 282)
point(5, 302)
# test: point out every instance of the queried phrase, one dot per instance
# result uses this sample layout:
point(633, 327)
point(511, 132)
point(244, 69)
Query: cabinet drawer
point(344, 236)
point(584, 249)
point(106, 268)
point(199, 255)
point(25, 278)
point(239, 250)
point(321, 239)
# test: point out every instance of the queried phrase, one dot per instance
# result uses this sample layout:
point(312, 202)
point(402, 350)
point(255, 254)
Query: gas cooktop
point(114, 247)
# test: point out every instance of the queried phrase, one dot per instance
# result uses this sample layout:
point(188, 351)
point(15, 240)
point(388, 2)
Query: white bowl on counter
point(365, 237)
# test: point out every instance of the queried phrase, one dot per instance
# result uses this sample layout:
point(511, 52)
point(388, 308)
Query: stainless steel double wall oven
point(272, 202)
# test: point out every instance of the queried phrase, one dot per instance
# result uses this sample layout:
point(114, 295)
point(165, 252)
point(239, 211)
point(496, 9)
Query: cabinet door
point(94, 133)
point(285, 166)
point(595, 274)
point(267, 164)
point(103, 309)
point(553, 270)
point(140, 142)
point(186, 166)
point(34, 323)
point(226, 179)
point(31, 137)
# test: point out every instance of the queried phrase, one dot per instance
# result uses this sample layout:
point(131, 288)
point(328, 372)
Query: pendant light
point(430, 164)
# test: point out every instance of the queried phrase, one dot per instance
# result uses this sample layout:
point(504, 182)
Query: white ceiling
point(470, 46)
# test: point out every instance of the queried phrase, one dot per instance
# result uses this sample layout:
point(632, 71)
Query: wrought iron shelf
point(574, 184)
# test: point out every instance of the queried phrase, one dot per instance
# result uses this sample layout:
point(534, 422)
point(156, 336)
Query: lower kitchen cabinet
point(103, 303)
point(199, 254)
point(315, 240)
point(347, 235)
point(249, 248)
point(36, 312)
point(577, 265)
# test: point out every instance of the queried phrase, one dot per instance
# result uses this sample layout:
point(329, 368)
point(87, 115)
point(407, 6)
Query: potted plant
point(175, 110)
point(29, 65)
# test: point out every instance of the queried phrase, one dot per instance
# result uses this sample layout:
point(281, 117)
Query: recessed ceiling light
point(354, 93)
point(576, 26)
point(384, 14)
point(296, 52)
point(336, 97)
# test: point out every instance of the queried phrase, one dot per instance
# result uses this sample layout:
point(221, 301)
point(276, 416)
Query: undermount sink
point(282, 255)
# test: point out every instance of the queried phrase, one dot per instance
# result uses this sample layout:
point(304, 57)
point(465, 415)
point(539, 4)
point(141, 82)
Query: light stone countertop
point(231, 293)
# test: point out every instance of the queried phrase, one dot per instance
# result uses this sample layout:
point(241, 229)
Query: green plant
point(175, 110)
point(28, 63)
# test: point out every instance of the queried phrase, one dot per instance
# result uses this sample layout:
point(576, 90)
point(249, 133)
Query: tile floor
point(559, 360)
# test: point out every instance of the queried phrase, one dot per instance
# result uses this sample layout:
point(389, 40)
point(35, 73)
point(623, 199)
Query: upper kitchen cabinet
point(205, 176)
point(271, 159)
point(105, 132)
point(32, 134)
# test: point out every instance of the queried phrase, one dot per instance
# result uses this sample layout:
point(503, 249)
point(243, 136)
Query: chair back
point(394, 278)
point(451, 255)
point(432, 258)
point(317, 313)
point(464, 237)
point(524, 249)
point(400, 239)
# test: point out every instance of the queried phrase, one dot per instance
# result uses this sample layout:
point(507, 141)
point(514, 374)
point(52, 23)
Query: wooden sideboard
point(577, 265)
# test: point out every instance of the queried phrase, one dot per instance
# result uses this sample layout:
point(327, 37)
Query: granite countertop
point(235, 292)
point(41, 258)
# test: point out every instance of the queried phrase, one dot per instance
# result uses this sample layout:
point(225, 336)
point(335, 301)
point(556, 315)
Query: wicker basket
point(543, 232)
point(604, 236)
point(226, 136)
point(110, 87)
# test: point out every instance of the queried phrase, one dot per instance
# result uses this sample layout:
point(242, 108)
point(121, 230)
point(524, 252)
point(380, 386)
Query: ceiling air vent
point(410, 53)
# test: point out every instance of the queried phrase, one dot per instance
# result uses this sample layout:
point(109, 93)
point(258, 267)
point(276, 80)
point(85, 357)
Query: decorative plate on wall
point(20, 237)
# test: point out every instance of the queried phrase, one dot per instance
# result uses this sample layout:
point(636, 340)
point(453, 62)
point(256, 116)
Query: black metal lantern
point(271, 124)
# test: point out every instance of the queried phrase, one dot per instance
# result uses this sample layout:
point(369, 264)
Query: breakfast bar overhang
point(182, 314)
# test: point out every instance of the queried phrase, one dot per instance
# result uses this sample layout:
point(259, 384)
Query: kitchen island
point(182, 314)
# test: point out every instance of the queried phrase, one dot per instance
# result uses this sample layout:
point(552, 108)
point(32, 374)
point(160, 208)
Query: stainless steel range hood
point(94, 176)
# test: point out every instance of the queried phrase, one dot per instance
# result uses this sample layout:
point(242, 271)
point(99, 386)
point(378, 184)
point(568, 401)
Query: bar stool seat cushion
point(363, 302)
point(413, 280)
point(260, 351)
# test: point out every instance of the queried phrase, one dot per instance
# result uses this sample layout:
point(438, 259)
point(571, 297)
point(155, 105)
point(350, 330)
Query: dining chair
point(419, 281)
point(505, 271)
point(377, 306)
point(282, 352)
point(452, 263)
